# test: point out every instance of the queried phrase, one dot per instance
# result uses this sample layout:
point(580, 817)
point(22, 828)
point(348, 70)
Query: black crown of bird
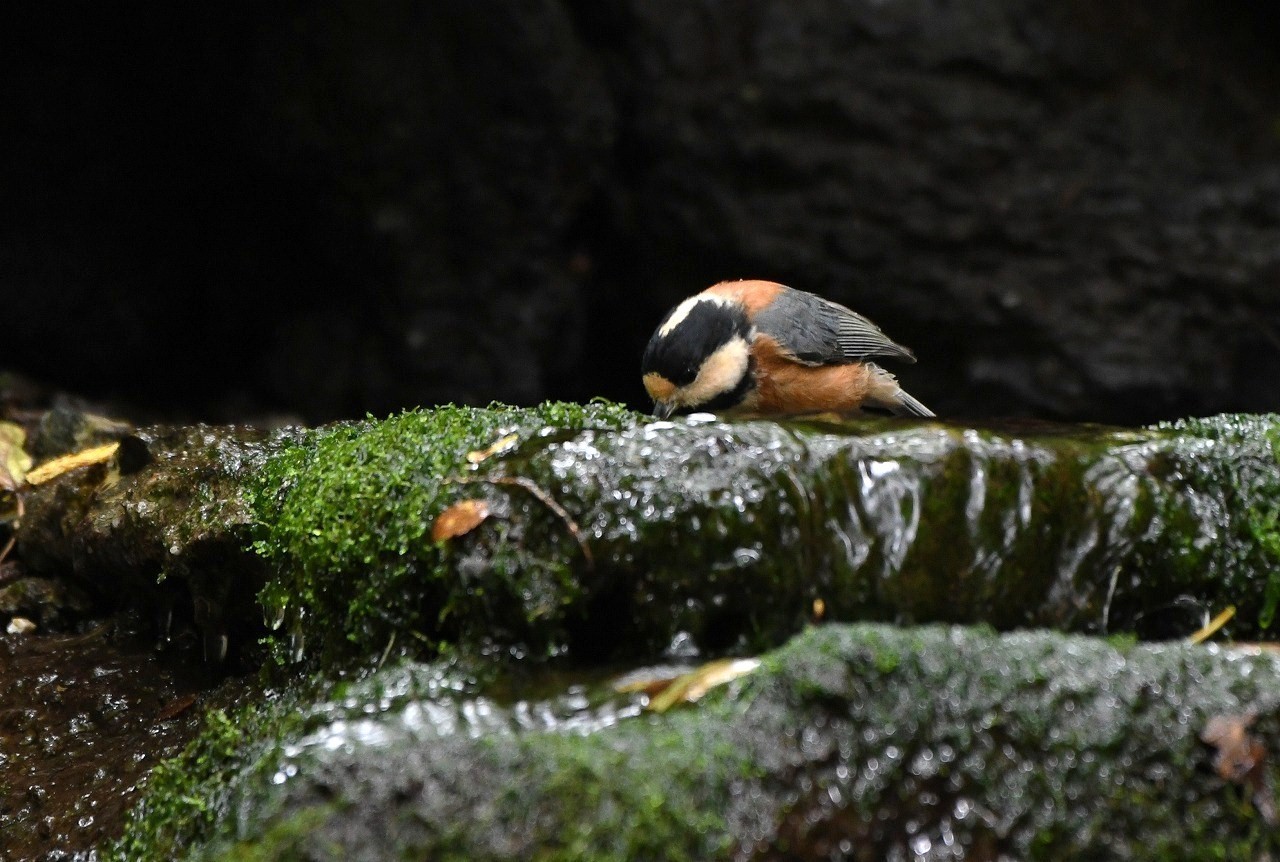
point(756, 348)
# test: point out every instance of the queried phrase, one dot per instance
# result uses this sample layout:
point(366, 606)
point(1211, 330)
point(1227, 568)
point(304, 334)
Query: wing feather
point(820, 332)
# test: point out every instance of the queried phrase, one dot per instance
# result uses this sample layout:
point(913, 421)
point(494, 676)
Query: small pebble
point(20, 626)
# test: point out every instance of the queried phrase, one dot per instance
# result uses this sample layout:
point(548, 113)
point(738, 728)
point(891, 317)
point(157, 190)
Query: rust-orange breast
point(786, 386)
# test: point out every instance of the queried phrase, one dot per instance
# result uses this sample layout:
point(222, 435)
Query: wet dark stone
point(612, 536)
point(49, 602)
point(616, 541)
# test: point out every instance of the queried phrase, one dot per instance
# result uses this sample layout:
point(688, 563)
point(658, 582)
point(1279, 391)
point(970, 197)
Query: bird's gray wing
point(820, 332)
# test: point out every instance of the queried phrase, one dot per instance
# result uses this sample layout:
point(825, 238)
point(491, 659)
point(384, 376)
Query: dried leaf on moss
point(459, 519)
point(498, 447)
point(1241, 759)
point(691, 686)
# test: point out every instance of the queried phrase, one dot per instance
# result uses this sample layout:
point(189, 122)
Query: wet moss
point(1232, 519)
point(180, 804)
point(186, 799)
point(718, 535)
point(859, 741)
point(289, 840)
point(723, 536)
point(346, 517)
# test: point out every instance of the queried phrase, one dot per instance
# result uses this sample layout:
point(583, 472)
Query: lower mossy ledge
point(861, 741)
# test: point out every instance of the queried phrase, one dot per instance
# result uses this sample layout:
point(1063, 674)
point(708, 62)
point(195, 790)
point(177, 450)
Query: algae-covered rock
point(616, 540)
point(609, 536)
point(168, 516)
point(857, 742)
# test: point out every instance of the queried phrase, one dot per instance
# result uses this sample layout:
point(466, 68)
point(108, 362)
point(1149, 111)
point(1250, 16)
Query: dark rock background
point(1069, 209)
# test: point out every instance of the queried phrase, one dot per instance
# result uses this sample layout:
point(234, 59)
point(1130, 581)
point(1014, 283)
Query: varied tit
point(759, 348)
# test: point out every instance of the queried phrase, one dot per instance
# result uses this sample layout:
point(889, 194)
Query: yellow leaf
point(498, 447)
point(14, 461)
point(66, 463)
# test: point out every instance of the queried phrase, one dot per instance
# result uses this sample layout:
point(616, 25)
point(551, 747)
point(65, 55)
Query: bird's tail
point(887, 394)
point(908, 406)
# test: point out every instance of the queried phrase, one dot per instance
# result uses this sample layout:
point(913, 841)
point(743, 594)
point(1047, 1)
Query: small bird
point(756, 348)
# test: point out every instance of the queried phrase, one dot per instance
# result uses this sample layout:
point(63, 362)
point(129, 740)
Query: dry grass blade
point(1213, 625)
point(66, 463)
point(691, 686)
point(8, 546)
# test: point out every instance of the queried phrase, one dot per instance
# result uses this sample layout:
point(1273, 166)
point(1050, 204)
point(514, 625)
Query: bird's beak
point(663, 409)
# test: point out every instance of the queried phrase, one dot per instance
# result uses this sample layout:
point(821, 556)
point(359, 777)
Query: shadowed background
point(1069, 210)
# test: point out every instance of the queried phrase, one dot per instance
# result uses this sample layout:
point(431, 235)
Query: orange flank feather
point(784, 386)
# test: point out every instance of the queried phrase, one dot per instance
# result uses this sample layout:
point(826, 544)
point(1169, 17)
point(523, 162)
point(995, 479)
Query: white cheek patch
point(682, 311)
point(720, 373)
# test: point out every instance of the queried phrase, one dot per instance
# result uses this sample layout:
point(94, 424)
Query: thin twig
point(542, 497)
point(386, 652)
point(1106, 606)
point(8, 546)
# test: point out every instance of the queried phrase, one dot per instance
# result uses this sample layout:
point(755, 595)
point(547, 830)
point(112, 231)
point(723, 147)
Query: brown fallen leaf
point(459, 519)
point(176, 707)
point(1241, 759)
point(66, 463)
point(498, 447)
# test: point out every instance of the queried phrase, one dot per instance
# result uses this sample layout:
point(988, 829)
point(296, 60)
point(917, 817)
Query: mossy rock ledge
point(609, 536)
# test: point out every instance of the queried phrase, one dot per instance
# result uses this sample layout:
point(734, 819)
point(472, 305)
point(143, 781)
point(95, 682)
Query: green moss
point(1122, 642)
point(181, 801)
point(1248, 484)
point(291, 839)
point(346, 521)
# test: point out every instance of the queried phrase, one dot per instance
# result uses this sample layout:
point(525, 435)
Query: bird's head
point(700, 357)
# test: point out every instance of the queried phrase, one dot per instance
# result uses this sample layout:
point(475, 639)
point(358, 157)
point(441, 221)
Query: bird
point(755, 348)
